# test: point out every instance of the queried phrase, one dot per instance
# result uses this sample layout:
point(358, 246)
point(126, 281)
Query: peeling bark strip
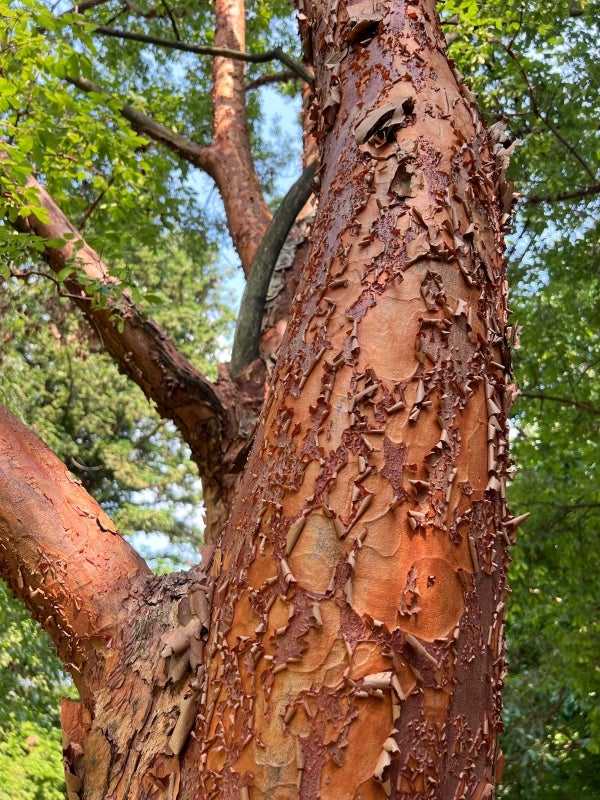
point(358, 646)
point(58, 549)
point(126, 741)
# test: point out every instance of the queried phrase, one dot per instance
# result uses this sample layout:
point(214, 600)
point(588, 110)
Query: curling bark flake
point(357, 646)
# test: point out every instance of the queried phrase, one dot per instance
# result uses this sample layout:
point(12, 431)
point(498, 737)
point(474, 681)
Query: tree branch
point(83, 219)
point(248, 215)
point(142, 351)
point(227, 161)
point(284, 76)
point(248, 329)
point(172, 20)
point(565, 401)
point(276, 54)
point(576, 194)
point(60, 553)
point(538, 111)
point(185, 148)
point(79, 8)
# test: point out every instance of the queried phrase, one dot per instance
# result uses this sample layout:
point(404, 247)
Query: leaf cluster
point(31, 685)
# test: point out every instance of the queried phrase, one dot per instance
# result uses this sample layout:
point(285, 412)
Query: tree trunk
point(355, 647)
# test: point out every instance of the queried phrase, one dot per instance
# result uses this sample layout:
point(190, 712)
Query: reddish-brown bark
point(231, 164)
point(355, 648)
point(59, 550)
point(214, 419)
point(127, 638)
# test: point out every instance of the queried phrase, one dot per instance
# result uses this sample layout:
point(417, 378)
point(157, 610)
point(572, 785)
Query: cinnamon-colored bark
point(231, 164)
point(59, 551)
point(357, 648)
point(132, 642)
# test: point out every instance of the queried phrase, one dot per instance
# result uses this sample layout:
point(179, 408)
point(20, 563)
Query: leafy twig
point(576, 194)
point(535, 105)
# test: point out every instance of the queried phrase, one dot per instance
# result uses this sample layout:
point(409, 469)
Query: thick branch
point(140, 348)
point(276, 54)
point(60, 553)
point(247, 332)
point(248, 215)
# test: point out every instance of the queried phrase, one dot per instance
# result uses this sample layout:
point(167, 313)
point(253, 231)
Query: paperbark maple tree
point(344, 637)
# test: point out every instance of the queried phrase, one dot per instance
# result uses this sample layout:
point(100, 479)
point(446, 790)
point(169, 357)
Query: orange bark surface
point(357, 645)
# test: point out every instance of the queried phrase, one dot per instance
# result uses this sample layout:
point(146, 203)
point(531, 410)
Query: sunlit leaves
point(31, 684)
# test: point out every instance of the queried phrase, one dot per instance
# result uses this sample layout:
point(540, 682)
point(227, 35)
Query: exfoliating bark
point(357, 645)
point(214, 419)
point(133, 642)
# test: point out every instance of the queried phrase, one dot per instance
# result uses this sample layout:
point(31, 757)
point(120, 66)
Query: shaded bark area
point(246, 343)
point(357, 644)
point(126, 741)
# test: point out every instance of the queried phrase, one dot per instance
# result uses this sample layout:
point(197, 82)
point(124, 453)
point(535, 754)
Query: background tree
point(132, 191)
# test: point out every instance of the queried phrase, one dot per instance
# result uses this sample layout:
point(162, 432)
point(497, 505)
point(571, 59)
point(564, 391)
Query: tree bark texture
point(231, 164)
point(133, 642)
point(356, 648)
point(58, 549)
